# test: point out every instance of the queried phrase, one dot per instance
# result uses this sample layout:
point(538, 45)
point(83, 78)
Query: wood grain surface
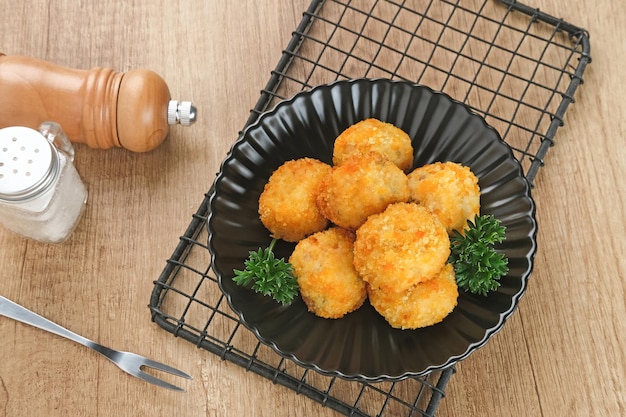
point(561, 354)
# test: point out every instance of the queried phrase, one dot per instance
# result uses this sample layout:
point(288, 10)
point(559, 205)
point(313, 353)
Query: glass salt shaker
point(42, 196)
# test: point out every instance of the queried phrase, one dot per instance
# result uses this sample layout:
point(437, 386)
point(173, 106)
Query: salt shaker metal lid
point(28, 163)
point(41, 194)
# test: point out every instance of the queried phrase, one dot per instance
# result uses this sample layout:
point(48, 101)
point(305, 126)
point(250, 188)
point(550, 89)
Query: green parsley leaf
point(268, 275)
point(477, 265)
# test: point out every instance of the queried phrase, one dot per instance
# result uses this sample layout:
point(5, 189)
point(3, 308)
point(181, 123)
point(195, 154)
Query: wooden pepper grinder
point(99, 107)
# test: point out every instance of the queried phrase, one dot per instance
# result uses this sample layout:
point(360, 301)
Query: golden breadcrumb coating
point(425, 304)
point(449, 190)
point(400, 247)
point(363, 185)
point(374, 135)
point(322, 265)
point(287, 205)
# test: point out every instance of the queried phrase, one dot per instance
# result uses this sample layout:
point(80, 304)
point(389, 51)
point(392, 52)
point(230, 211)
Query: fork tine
point(156, 381)
point(165, 368)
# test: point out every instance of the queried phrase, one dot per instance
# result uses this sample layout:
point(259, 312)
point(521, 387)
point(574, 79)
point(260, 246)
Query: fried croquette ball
point(287, 205)
point(449, 190)
point(423, 305)
point(400, 247)
point(322, 265)
point(374, 135)
point(363, 185)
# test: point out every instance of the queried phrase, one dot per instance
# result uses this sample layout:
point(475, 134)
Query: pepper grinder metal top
point(181, 112)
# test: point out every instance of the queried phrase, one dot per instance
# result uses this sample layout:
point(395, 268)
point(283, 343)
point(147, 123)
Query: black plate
point(362, 345)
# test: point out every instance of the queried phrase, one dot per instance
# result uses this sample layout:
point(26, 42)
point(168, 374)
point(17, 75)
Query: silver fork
point(126, 361)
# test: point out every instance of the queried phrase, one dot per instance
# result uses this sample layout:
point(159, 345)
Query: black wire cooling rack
point(516, 66)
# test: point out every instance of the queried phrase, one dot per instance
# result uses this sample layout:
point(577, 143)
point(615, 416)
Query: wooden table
point(561, 353)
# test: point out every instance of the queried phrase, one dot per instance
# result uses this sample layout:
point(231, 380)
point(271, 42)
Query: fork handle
point(15, 311)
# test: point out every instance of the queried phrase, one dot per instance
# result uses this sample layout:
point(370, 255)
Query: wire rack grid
point(516, 66)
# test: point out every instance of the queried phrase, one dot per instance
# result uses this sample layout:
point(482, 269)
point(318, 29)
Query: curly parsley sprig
point(268, 275)
point(477, 265)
